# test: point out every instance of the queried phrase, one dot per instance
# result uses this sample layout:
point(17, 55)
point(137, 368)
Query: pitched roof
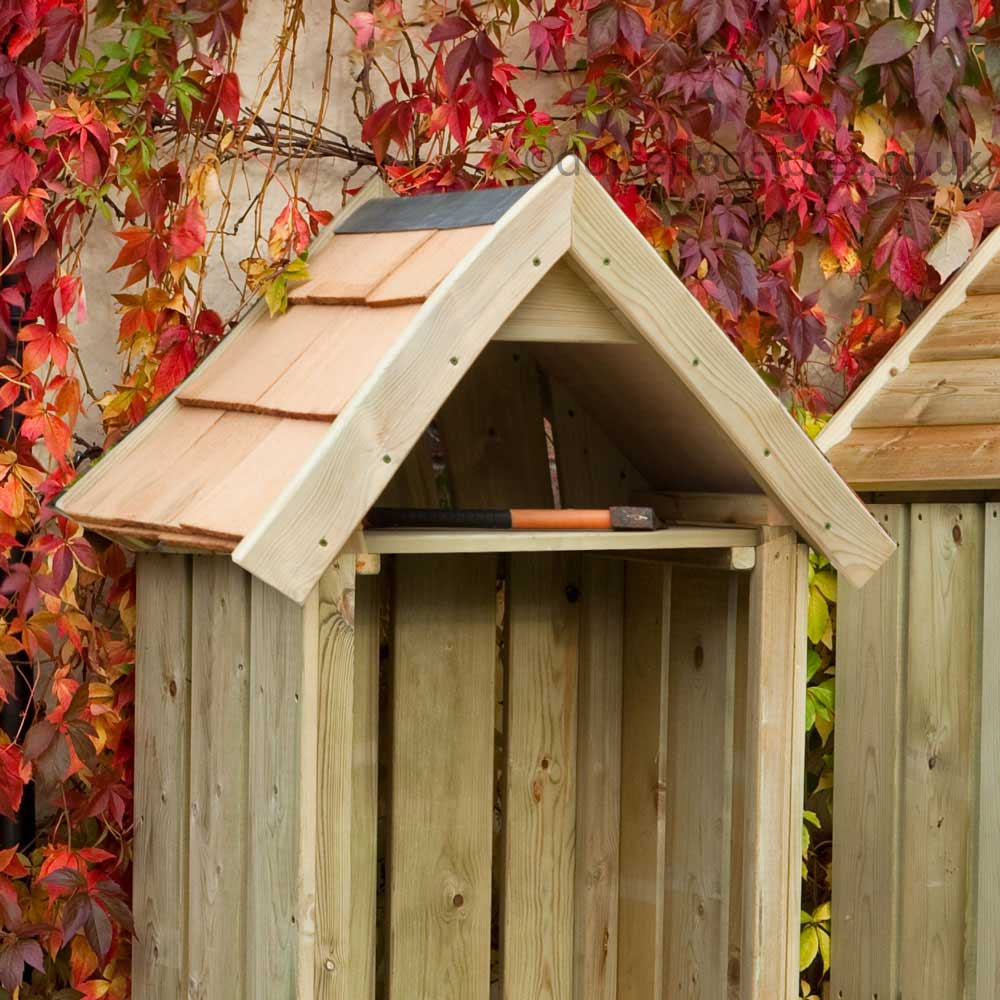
point(283, 438)
point(928, 415)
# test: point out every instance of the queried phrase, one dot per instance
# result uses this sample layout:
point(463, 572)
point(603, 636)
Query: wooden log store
point(457, 764)
point(916, 893)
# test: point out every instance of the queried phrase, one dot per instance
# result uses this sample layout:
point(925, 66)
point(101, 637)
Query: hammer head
point(634, 519)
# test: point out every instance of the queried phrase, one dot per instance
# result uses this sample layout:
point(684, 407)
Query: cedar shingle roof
point(245, 424)
point(928, 416)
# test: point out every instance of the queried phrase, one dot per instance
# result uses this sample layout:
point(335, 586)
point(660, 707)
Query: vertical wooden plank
point(641, 914)
point(162, 746)
point(284, 641)
point(414, 484)
point(940, 748)
point(738, 785)
point(492, 428)
point(698, 786)
point(444, 644)
point(871, 656)
point(598, 797)
point(772, 868)
point(347, 784)
point(987, 939)
point(541, 779)
point(220, 749)
point(592, 471)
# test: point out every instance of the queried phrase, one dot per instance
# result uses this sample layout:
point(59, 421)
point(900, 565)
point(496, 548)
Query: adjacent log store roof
point(281, 440)
point(928, 417)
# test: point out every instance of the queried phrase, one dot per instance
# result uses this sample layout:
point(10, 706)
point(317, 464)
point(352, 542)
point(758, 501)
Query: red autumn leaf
point(450, 28)
point(187, 234)
point(907, 268)
point(174, 367)
point(42, 345)
point(11, 781)
point(229, 96)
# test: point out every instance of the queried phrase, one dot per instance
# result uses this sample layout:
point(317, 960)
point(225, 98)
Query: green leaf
point(808, 947)
point(890, 41)
point(276, 295)
point(818, 615)
point(824, 948)
point(813, 662)
point(822, 912)
point(826, 580)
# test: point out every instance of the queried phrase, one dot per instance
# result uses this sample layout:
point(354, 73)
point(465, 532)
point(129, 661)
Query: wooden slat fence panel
point(444, 645)
point(347, 784)
point(736, 914)
point(162, 758)
point(871, 659)
point(698, 787)
point(493, 433)
point(987, 939)
point(541, 776)
point(282, 826)
point(643, 807)
point(598, 799)
point(941, 747)
point(775, 762)
point(220, 749)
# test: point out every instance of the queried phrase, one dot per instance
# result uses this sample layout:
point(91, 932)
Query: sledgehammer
point(603, 519)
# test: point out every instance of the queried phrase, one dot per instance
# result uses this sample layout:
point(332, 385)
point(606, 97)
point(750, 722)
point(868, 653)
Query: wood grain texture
point(784, 462)
point(897, 358)
point(940, 747)
point(563, 308)
point(968, 333)
point(642, 917)
point(699, 774)
point(415, 482)
point(987, 281)
point(592, 471)
point(377, 429)
point(598, 797)
point(264, 352)
point(162, 761)
point(220, 757)
point(920, 458)
point(493, 433)
point(871, 670)
point(346, 787)
point(772, 869)
point(987, 902)
point(714, 508)
point(937, 392)
point(740, 746)
point(540, 821)
point(417, 276)
point(649, 415)
point(429, 540)
point(444, 644)
point(352, 265)
point(320, 383)
point(281, 902)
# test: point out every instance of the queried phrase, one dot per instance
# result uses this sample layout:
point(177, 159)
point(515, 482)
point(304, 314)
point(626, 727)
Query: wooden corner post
point(775, 764)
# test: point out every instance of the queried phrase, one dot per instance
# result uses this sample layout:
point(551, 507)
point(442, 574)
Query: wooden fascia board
point(319, 509)
point(897, 358)
point(785, 463)
point(135, 439)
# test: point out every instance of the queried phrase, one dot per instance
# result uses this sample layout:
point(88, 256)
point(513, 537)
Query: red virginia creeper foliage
point(746, 138)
